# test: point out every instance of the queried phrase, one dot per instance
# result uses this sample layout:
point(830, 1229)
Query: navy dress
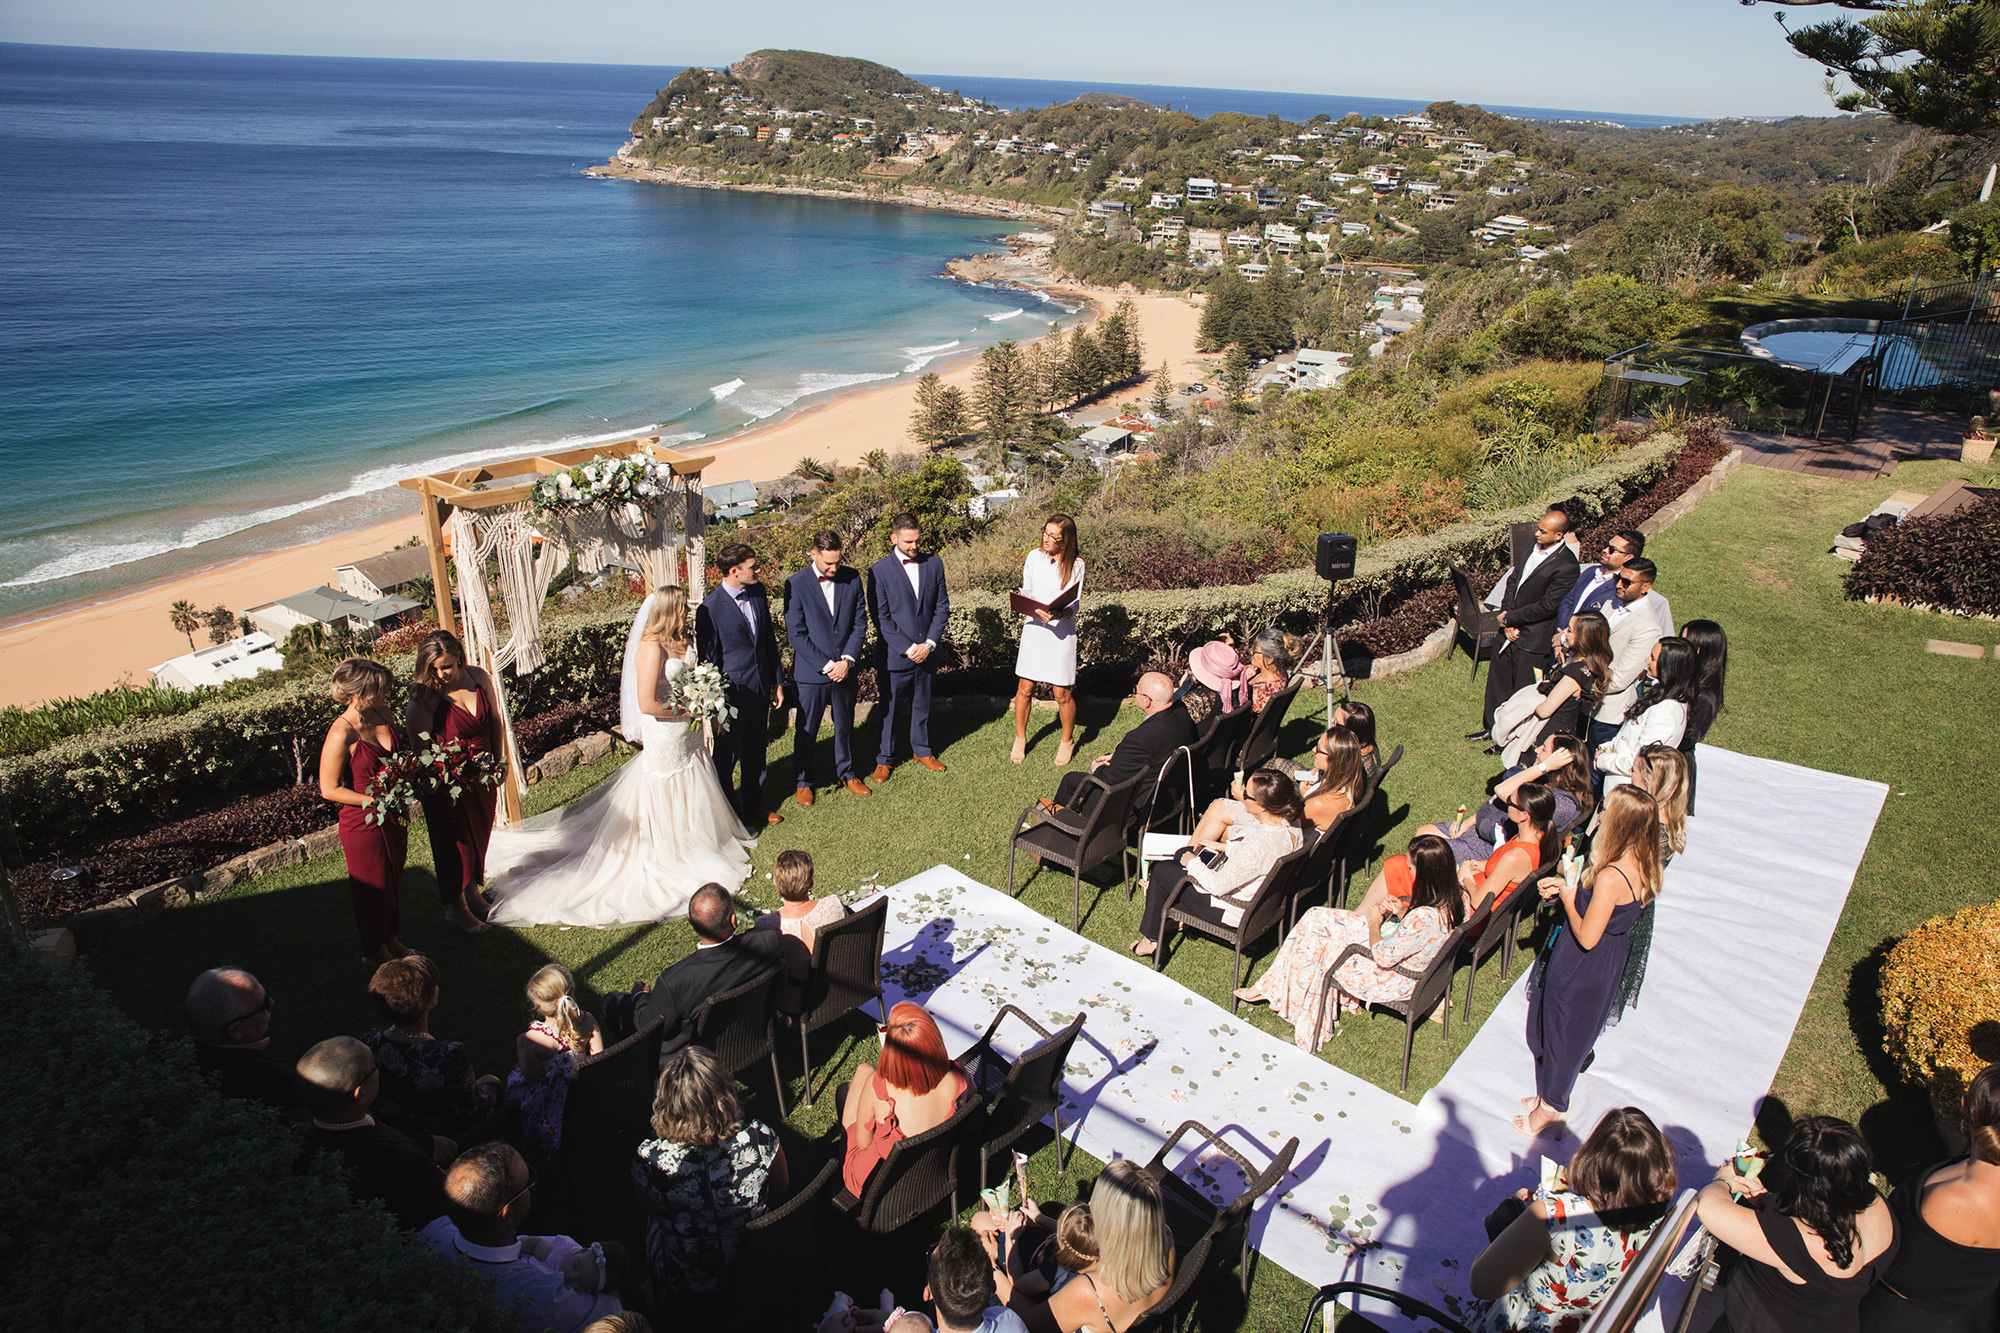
point(1571, 999)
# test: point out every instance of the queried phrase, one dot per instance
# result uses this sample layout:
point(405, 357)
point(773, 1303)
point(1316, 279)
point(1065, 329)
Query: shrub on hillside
point(1944, 563)
point(139, 1198)
point(1938, 982)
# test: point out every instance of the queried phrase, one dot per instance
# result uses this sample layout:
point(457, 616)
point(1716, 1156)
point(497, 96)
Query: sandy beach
point(80, 650)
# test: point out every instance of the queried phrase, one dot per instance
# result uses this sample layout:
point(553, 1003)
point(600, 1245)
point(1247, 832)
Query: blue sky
point(1664, 57)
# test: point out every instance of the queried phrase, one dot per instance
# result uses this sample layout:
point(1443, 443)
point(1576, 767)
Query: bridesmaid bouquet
point(397, 784)
point(452, 768)
point(702, 692)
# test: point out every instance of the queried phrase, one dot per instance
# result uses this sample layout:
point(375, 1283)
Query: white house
point(238, 659)
point(329, 607)
point(379, 575)
point(1284, 159)
point(1163, 200)
point(1201, 188)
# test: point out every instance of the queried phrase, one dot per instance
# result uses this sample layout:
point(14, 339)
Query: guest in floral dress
point(1295, 983)
point(798, 918)
point(547, 1053)
point(706, 1175)
point(428, 1085)
point(1272, 654)
point(1558, 1259)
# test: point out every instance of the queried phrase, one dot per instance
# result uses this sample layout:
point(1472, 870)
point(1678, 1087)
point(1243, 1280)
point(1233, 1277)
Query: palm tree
point(185, 619)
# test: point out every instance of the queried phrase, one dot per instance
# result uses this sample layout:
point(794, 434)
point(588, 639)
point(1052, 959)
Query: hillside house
point(1162, 200)
point(1284, 159)
point(1170, 226)
point(1243, 240)
point(379, 575)
point(1269, 196)
point(1253, 271)
point(328, 607)
point(206, 668)
point(1201, 188)
point(1104, 208)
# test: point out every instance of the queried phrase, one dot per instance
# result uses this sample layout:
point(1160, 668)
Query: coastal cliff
point(622, 167)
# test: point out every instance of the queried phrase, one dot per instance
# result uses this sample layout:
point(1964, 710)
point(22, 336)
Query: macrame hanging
point(650, 541)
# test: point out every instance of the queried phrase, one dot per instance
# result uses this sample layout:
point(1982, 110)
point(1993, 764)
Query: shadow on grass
point(1901, 1127)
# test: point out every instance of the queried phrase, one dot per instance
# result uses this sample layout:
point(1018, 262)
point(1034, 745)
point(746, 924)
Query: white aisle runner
point(1770, 859)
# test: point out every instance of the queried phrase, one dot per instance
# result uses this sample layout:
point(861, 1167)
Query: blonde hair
point(667, 620)
point(1667, 780)
point(552, 990)
point(1076, 1238)
point(1134, 1247)
point(694, 1102)
point(359, 677)
point(1631, 826)
point(793, 876)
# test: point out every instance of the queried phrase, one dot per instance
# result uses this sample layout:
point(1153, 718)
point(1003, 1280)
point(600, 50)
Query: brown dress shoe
point(934, 764)
point(881, 773)
point(805, 796)
point(858, 787)
point(773, 817)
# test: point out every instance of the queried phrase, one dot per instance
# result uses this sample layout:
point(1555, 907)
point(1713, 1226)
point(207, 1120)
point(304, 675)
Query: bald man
point(229, 1017)
point(337, 1082)
point(1165, 727)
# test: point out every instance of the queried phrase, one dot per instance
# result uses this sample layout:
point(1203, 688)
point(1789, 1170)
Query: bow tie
point(906, 560)
point(826, 578)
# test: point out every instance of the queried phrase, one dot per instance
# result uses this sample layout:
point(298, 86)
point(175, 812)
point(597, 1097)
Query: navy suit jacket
point(721, 636)
point(1583, 597)
point(817, 636)
point(904, 619)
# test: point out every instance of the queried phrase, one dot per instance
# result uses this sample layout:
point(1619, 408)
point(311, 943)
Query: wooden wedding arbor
point(475, 514)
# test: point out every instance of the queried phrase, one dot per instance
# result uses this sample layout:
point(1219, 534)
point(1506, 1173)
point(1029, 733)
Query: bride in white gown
point(637, 847)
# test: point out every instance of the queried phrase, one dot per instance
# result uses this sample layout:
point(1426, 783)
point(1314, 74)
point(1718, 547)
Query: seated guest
point(1482, 874)
point(1711, 661)
point(1295, 983)
point(1330, 788)
point(1144, 750)
point(721, 961)
point(705, 1175)
point(1226, 872)
point(1359, 718)
point(1131, 1270)
point(545, 1057)
point(962, 1287)
point(798, 919)
point(1813, 1234)
point(488, 1193)
point(337, 1082)
point(1272, 654)
point(1946, 1276)
point(915, 1088)
point(1564, 1251)
point(1662, 772)
point(1561, 702)
point(427, 1084)
point(229, 1017)
point(1560, 764)
point(1639, 618)
point(1660, 713)
point(1216, 684)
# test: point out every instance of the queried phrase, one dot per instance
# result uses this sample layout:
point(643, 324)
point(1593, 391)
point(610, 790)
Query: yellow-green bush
point(1939, 981)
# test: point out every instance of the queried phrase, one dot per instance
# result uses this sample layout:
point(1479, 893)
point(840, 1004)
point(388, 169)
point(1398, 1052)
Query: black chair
point(1433, 985)
point(607, 1114)
point(1361, 829)
point(1265, 914)
point(919, 1173)
point(1498, 927)
point(1262, 742)
point(740, 1027)
point(1079, 842)
point(1409, 1306)
point(1018, 1093)
point(1321, 858)
point(772, 1251)
point(1191, 1269)
point(1194, 1218)
point(846, 974)
point(1172, 802)
point(1474, 621)
point(1215, 750)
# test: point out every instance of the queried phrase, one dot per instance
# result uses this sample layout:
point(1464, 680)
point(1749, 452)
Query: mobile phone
point(1212, 857)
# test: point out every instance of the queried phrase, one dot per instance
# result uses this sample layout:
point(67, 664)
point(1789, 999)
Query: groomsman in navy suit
point(732, 628)
point(907, 598)
point(823, 619)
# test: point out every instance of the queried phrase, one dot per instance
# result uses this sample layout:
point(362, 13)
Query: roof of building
point(238, 659)
point(329, 605)
point(1106, 435)
point(392, 568)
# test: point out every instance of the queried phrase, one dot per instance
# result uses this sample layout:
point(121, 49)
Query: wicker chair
point(1215, 751)
point(773, 1251)
point(919, 1173)
point(1361, 830)
point(739, 1025)
point(1265, 914)
point(1262, 742)
point(1079, 842)
point(1474, 621)
point(846, 975)
point(1194, 1219)
point(1017, 1093)
point(1433, 986)
point(1321, 859)
point(607, 1114)
point(1191, 1269)
point(1410, 1307)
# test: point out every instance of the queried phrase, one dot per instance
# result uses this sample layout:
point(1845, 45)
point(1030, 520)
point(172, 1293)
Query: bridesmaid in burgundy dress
point(453, 701)
point(360, 736)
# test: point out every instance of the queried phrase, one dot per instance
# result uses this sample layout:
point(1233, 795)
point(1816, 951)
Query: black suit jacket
point(1530, 604)
point(679, 991)
point(1148, 746)
point(253, 1076)
point(391, 1166)
point(723, 637)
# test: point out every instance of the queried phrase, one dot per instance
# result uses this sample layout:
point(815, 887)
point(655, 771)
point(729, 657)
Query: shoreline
point(892, 192)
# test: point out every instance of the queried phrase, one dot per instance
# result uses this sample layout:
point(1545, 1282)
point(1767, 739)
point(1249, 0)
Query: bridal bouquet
point(452, 767)
point(398, 783)
point(637, 483)
point(702, 692)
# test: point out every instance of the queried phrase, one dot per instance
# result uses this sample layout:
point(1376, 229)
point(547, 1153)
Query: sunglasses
point(264, 1008)
point(1627, 581)
point(522, 1191)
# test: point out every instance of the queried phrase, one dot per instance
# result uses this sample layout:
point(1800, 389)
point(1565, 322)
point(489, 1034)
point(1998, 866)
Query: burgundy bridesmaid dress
point(375, 856)
point(459, 834)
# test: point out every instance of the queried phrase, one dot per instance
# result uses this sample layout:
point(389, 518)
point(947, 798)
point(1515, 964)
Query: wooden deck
point(1889, 434)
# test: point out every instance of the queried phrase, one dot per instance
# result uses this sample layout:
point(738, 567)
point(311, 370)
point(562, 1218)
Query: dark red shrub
point(1951, 562)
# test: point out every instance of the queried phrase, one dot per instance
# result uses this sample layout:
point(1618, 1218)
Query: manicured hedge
point(139, 1198)
point(1947, 563)
point(1937, 983)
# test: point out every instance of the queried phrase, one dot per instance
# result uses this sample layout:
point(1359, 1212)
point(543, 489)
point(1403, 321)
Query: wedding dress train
point(635, 849)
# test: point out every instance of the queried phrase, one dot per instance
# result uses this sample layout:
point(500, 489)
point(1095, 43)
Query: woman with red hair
point(916, 1088)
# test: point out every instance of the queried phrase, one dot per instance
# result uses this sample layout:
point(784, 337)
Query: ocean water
point(241, 295)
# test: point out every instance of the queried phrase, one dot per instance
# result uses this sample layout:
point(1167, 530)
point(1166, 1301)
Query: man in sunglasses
point(229, 1017)
point(1639, 619)
point(1594, 588)
point(488, 1193)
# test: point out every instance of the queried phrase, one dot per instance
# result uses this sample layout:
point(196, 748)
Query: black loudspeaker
point(1336, 556)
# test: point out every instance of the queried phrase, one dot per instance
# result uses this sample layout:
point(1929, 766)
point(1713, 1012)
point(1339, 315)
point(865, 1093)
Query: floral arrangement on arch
point(638, 483)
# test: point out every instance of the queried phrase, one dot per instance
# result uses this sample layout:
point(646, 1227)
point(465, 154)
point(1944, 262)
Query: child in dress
point(547, 1053)
point(1070, 1251)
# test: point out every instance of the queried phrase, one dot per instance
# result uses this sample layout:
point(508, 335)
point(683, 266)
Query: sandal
point(457, 916)
point(1249, 995)
point(1551, 1129)
point(1145, 948)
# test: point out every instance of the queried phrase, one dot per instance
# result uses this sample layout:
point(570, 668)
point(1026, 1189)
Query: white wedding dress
point(634, 849)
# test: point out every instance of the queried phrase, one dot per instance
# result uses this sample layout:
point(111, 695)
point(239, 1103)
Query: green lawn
point(1815, 680)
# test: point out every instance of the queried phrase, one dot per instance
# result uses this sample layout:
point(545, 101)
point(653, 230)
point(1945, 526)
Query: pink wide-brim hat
point(1216, 665)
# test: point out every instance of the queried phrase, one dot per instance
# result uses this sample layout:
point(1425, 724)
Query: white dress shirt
point(914, 568)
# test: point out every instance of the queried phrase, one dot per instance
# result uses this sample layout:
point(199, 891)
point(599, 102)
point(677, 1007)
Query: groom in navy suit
point(823, 620)
point(732, 628)
point(906, 595)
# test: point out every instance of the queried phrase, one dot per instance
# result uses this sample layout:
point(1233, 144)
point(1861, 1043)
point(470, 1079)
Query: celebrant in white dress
point(637, 847)
point(1048, 642)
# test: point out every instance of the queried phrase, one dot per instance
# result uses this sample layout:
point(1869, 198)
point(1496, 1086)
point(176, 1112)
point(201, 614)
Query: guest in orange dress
point(916, 1088)
point(355, 745)
point(454, 701)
